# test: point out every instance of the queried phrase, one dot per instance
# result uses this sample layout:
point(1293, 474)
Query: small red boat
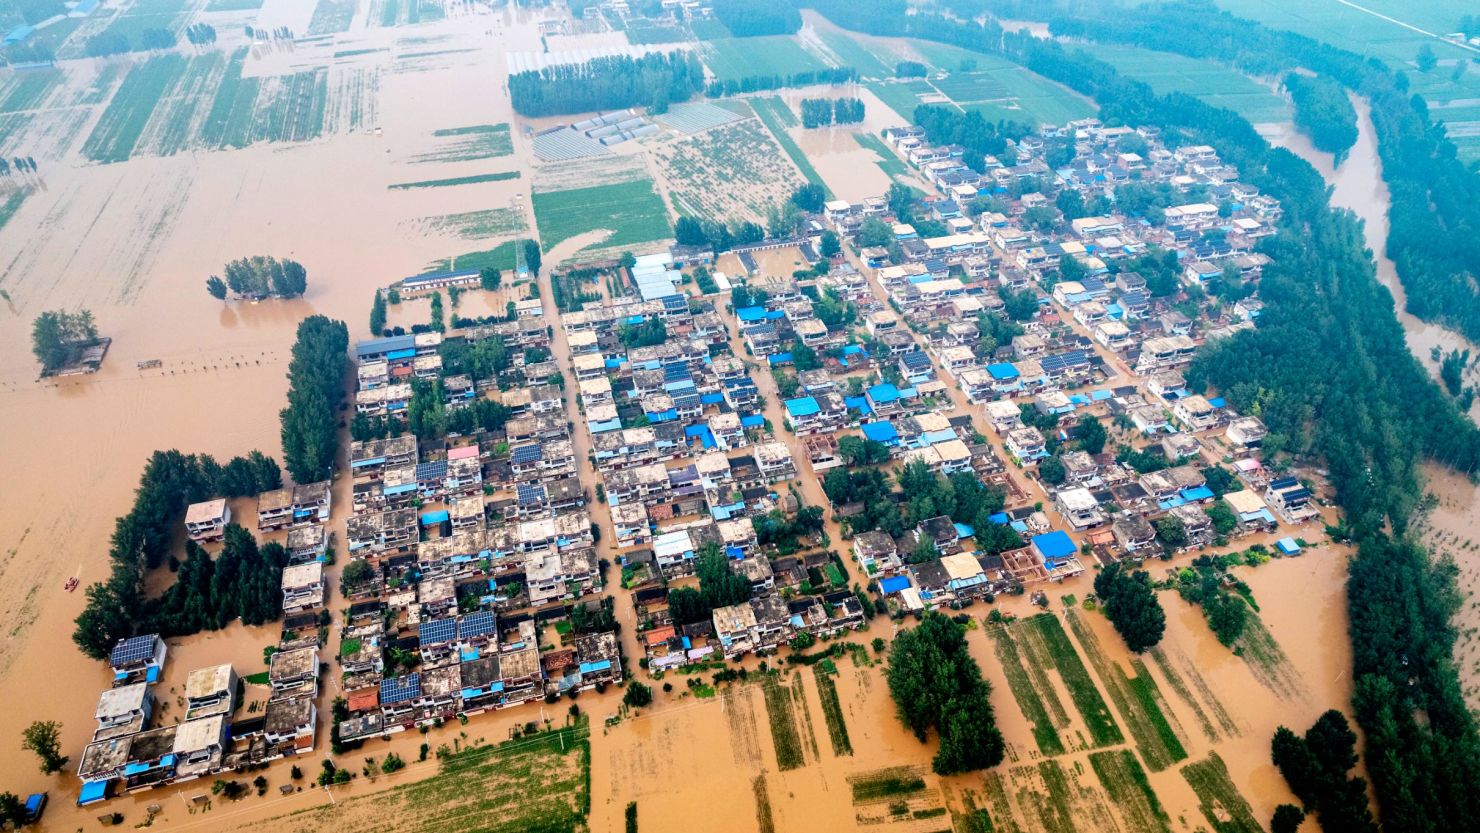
point(71, 584)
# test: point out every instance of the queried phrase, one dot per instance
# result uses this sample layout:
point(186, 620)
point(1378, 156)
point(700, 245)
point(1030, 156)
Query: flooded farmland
point(817, 748)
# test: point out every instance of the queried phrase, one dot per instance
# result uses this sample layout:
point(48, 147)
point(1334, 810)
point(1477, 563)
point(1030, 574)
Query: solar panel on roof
point(477, 623)
point(527, 454)
point(400, 689)
point(435, 470)
point(437, 631)
point(132, 650)
point(530, 493)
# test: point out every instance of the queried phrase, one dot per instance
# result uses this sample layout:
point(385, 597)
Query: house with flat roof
point(210, 691)
point(1079, 508)
point(207, 520)
point(125, 710)
point(275, 509)
point(303, 587)
point(294, 672)
point(289, 724)
point(199, 746)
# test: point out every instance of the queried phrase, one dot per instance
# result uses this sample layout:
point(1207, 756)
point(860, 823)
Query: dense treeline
point(654, 80)
point(719, 586)
point(979, 137)
point(747, 18)
point(1435, 199)
point(310, 429)
point(1327, 366)
point(821, 112)
point(242, 582)
point(761, 83)
point(1323, 112)
point(1316, 767)
point(1130, 603)
point(118, 608)
point(937, 685)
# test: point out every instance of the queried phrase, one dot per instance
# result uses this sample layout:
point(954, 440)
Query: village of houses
point(501, 562)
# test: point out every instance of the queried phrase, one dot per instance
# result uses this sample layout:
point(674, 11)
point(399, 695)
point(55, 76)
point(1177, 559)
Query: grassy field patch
point(851, 53)
point(894, 782)
point(467, 144)
point(499, 176)
point(832, 712)
point(502, 256)
point(1220, 801)
point(1128, 787)
point(731, 59)
point(901, 96)
point(633, 211)
point(890, 164)
point(476, 225)
point(1209, 81)
point(147, 14)
point(1045, 632)
point(784, 734)
point(28, 90)
point(1033, 703)
point(1138, 700)
point(728, 172)
point(118, 130)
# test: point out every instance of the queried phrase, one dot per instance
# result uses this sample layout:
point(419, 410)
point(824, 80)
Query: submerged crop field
point(772, 112)
point(728, 172)
point(467, 144)
point(1138, 699)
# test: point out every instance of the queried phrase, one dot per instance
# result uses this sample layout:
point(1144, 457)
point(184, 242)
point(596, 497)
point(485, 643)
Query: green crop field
point(832, 712)
point(1034, 694)
point(458, 180)
point(11, 202)
point(405, 12)
point(29, 90)
point(476, 225)
point(117, 132)
point(851, 53)
point(1047, 641)
point(1221, 803)
point(901, 96)
point(1128, 787)
point(642, 31)
point(466, 144)
point(971, 86)
point(331, 16)
point(888, 162)
point(1214, 83)
point(503, 256)
point(736, 58)
point(784, 735)
point(632, 210)
point(1138, 699)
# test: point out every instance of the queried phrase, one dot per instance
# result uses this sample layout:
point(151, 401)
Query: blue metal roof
point(435, 517)
point(883, 392)
point(1055, 545)
point(1003, 370)
point(748, 314)
point(803, 406)
point(437, 631)
point(858, 403)
point(377, 346)
point(400, 689)
point(753, 421)
point(883, 432)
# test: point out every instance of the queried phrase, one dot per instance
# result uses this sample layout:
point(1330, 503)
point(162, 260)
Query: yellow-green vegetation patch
point(891, 783)
point(1035, 697)
point(726, 173)
point(763, 818)
point(731, 59)
point(1189, 685)
point(1219, 800)
point(1264, 656)
point(999, 806)
point(832, 711)
point(331, 17)
point(472, 179)
point(804, 715)
point(466, 144)
point(1047, 641)
point(503, 257)
point(890, 164)
point(1128, 787)
point(475, 225)
point(1138, 699)
point(632, 211)
point(536, 783)
point(784, 734)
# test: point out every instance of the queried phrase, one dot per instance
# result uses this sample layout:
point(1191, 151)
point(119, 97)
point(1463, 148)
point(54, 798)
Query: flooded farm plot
point(727, 172)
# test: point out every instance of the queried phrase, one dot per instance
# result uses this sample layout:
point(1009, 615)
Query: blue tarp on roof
point(858, 403)
point(752, 421)
point(852, 349)
point(396, 355)
point(1079, 399)
point(894, 584)
point(1000, 518)
point(1201, 493)
point(1002, 370)
point(748, 314)
point(706, 437)
point(92, 791)
point(882, 432)
point(1100, 395)
point(1055, 545)
point(883, 392)
point(802, 406)
point(712, 398)
point(964, 531)
point(1218, 402)
point(434, 518)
